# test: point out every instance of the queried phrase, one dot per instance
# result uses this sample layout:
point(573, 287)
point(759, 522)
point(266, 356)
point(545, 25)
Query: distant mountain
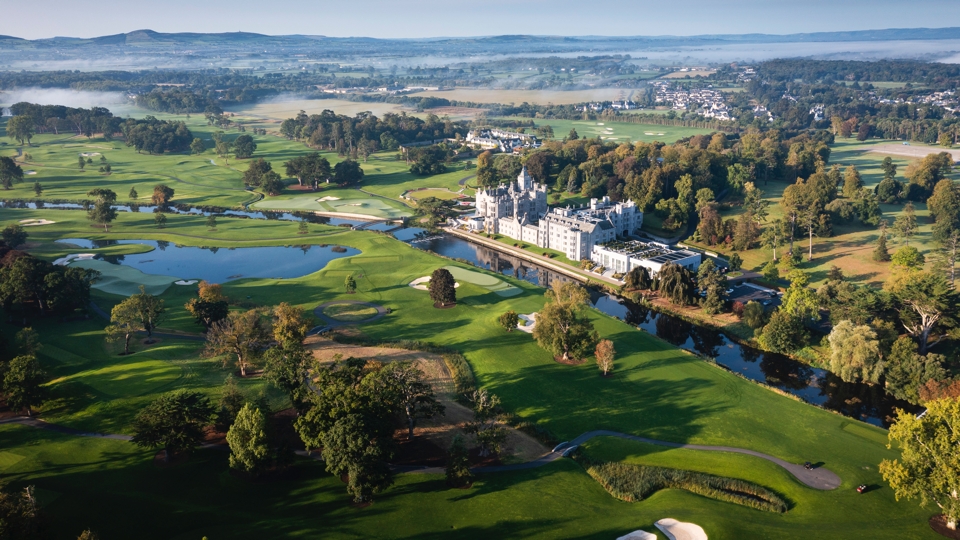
point(186, 38)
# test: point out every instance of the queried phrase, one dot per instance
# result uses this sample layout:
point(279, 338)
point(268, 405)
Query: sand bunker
point(678, 530)
point(63, 261)
point(29, 172)
point(328, 198)
point(185, 282)
point(420, 284)
point(638, 535)
point(648, 133)
point(527, 323)
point(35, 222)
point(89, 154)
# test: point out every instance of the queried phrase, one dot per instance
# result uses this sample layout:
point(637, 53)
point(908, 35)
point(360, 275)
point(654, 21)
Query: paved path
point(463, 181)
point(818, 478)
point(318, 311)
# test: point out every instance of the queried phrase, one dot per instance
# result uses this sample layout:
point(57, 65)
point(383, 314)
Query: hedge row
point(633, 483)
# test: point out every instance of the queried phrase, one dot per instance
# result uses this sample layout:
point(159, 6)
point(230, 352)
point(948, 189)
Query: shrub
point(633, 483)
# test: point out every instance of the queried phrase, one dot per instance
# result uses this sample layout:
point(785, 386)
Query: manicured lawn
point(656, 391)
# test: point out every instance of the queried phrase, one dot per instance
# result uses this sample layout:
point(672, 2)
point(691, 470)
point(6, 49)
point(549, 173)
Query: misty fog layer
point(62, 96)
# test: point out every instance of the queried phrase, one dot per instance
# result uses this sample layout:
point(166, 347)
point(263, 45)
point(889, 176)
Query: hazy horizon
point(435, 18)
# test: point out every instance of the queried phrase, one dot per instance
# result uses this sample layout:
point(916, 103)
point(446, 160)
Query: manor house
point(519, 211)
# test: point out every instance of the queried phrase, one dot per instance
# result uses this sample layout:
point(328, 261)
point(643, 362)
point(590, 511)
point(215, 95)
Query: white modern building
point(621, 257)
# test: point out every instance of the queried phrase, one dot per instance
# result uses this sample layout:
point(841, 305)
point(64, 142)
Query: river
point(818, 386)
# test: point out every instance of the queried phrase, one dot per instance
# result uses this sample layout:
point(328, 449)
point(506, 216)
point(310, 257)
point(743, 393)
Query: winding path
point(817, 478)
point(318, 311)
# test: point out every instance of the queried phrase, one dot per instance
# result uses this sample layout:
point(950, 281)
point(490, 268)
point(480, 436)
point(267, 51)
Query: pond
point(865, 402)
point(219, 265)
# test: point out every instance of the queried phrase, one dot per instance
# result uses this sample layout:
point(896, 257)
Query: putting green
point(369, 206)
point(350, 312)
point(486, 281)
point(125, 280)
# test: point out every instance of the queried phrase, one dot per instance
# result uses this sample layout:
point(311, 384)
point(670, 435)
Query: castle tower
point(524, 180)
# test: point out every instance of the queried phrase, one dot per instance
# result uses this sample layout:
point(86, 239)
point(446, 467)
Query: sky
point(434, 18)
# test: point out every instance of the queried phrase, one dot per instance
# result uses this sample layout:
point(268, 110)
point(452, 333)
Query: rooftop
point(651, 251)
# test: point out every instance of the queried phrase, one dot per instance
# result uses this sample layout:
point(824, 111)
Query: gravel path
point(817, 478)
point(318, 311)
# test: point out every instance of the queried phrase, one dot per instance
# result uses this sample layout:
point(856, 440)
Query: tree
point(881, 253)
point(102, 211)
point(852, 183)
point(487, 426)
point(10, 172)
point(173, 422)
point(638, 278)
point(562, 326)
point(710, 280)
point(605, 353)
point(929, 464)
point(149, 311)
point(907, 372)
point(289, 325)
point(88, 535)
point(37, 189)
point(755, 204)
point(442, 288)
point(908, 257)
point(247, 439)
point(162, 195)
point(947, 238)
point(889, 168)
point(927, 172)
point(241, 335)
point(22, 383)
point(799, 300)
point(407, 386)
point(736, 262)
point(458, 463)
point(347, 173)
point(926, 300)
point(676, 283)
point(754, 315)
point(244, 147)
point(14, 235)
point(160, 220)
point(855, 353)
point(310, 169)
point(124, 322)
point(231, 401)
point(905, 226)
point(81, 162)
point(212, 222)
point(572, 136)
point(21, 128)
point(28, 342)
point(18, 515)
point(350, 284)
point(739, 176)
point(772, 236)
point(302, 228)
point(509, 320)
point(286, 366)
point(783, 334)
point(197, 146)
point(133, 194)
point(944, 203)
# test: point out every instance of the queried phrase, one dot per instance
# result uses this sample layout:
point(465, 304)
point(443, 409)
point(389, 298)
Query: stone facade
point(523, 201)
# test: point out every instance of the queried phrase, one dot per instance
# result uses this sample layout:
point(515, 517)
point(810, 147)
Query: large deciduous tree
point(926, 301)
point(442, 287)
point(10, 172)
point(21, 128)
point(310, 169)
point(407, 386)
point(162, 194)
point(929, 465)
point(102, 211)
point(855, 353)
point(347, 173)
point(22, 383)
point(244, 146)
point(487, 426)
point(173, 422)
point(562, 326)
point(241, 335)
point(676, 283)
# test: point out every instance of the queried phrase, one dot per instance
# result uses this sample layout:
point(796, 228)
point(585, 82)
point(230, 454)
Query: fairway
point(348, 202)
point(444, 194)
point(125, 280)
